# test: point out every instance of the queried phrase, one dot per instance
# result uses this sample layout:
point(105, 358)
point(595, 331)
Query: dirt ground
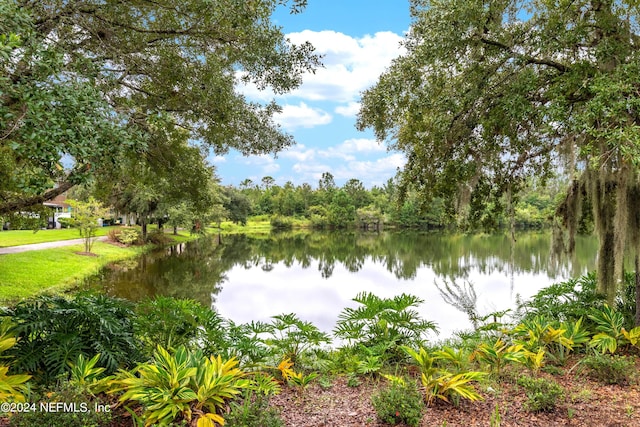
point(586, 403)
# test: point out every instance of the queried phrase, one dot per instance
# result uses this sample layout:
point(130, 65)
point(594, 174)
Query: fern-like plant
point(384, 322)
point(291, 336)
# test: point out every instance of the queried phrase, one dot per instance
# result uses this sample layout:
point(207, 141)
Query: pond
point(316, 275)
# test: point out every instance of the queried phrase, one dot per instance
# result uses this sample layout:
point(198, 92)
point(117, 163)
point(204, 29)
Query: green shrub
point(253, 411)
point(384, 324)
point(158, 237)
point(576, 298)
point(66, 222)
point(610, 369)
point(172, 322)
point(564, 301)
point(82, 411)
point(53, 331)
point(542, 394)
point(181, 385)
point(290, 336)
point(281, 223)
point(399, 403)
point(126, 236)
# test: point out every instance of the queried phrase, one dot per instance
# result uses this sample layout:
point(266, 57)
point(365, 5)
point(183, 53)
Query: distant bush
point(66, 222)
point(157, 237)
point(126, 236)
point(281, 222)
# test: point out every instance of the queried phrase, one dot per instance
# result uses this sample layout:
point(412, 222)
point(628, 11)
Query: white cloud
point(349, 110)
point(266, 164)
point(350, 66)
point(301, 115)
point(371, 172)
point(348, 148)
point(299, 153)
point(218, 159)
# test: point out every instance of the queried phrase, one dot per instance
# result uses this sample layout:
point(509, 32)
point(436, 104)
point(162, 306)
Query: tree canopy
point(490, 93)
point(80, 81)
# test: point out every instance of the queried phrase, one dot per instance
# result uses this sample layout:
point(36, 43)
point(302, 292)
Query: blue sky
point(358, 38)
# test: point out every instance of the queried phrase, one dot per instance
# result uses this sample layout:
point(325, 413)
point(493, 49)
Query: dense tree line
point(352, 205)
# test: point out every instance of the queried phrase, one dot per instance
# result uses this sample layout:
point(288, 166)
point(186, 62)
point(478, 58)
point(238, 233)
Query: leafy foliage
point(291, 336)
point(542, 394)
point(172, 323)
point(94, 100)
point(441, 384)
point(611, 332)
point(12, 387)
point(383, 323)
point(610, 369)
point(54, 331)
point(183, 384)
point(85, 375)
point(490, 94)
point(497, 353)
point(252, 411)
point(399, 403)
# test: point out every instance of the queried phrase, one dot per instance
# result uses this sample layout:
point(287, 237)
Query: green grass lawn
point(57, 270)
point(27, 237)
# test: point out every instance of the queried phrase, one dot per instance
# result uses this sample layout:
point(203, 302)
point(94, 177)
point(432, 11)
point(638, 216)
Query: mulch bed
point(586, 403)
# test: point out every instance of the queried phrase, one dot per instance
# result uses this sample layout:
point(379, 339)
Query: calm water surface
point(254, 277)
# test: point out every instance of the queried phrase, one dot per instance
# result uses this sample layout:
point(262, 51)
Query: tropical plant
point(52, 331)
point(565, 301)
point(400, 402)
point(290, 336)
point(292, 377)
point(540, 336)
point(611, 332)
point(173, 322)
point(12, 387)
point(245, 343)
point(441, 384)
point(498, 353)
point(184, 384)
point(85, 375)
point(385, 322)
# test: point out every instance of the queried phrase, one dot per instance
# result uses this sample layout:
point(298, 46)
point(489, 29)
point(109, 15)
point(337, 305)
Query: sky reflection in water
point(316, 275)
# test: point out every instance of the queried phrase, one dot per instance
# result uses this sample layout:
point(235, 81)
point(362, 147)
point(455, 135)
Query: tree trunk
point(144, 229)
point(637, 265)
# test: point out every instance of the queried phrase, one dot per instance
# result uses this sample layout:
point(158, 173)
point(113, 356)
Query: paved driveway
point(47, 245)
